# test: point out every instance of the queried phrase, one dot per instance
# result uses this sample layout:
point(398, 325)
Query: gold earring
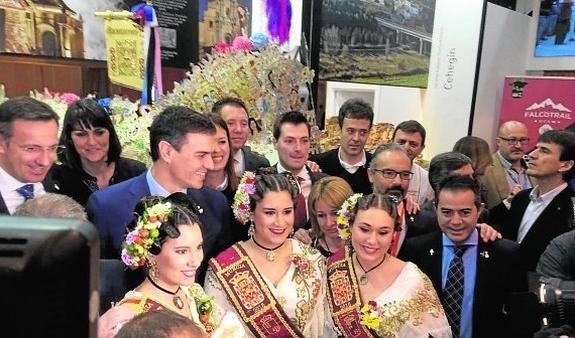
point(251, 229)
point(153, 270)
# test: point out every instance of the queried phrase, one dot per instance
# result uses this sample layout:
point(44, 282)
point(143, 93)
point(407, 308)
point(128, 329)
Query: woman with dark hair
point(165, 238)
point(91, 157)
point(222, 177)
point(272, 282)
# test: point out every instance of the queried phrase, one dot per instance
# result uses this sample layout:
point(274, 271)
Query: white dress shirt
point(8, 186)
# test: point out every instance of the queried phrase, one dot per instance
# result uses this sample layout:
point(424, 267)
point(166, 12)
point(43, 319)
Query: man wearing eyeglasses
point(28, 146)
point(390, 173)
point(507, 176)
point(538, 215)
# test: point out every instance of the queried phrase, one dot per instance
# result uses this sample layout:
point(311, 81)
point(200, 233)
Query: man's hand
point(303, 236)
point(313, 167)
point(411, 206)
point(488, 233)
point(514, 190)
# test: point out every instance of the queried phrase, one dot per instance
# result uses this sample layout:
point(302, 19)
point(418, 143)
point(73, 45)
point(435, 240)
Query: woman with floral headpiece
point(370, 293)
point(166, 239)
point(272, 282)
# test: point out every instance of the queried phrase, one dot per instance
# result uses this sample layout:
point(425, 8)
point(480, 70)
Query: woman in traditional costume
point(371, 293)
point(273, 283)
point(166, 237)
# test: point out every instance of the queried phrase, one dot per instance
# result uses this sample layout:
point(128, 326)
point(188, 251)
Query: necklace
point(363, 278)
point(271, 254)
point(178, 302)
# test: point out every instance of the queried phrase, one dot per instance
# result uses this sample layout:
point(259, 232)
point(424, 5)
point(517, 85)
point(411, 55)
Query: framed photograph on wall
point(555, 29)
point(385, 42)
point(69, 28)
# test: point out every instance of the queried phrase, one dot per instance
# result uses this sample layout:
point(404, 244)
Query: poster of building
point(223, 20)
point(542, 103)
point(69, 28)
point(384, 42)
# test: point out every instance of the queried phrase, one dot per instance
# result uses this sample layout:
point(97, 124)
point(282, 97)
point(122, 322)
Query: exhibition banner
point(124, 43)
point(542, 103)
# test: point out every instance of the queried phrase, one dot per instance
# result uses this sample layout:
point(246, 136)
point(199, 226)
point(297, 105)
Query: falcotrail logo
point(547, 112)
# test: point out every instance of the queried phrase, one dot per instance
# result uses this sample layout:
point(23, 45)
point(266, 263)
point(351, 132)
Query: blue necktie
point(27, 191)
point(453, 292)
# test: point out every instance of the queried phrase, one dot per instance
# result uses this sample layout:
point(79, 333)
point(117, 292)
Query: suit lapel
point(482, 273)
point(552, 211)
point(3, 207)
point(433, 260)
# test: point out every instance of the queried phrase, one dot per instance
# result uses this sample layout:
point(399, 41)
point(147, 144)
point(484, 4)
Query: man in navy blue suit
point(181, 143)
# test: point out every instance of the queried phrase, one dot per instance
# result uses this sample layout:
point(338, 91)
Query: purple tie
point(27, 191)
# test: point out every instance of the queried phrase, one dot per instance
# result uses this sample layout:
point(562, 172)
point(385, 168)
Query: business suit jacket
point(254, 161)
point(495, 183)
point(111, 209)
point(498, 277)
point(330, 164)
point(555, 219)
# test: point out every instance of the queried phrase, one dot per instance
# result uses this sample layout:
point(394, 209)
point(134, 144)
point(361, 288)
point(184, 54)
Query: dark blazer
point(253, 160)
point(111, 210)
point(554, 220)
point(329, 164)
point(498, 277)
point(71, 182)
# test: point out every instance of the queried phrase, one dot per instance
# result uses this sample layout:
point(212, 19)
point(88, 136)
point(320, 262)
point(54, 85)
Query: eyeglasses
point(513, 141)
point(37, 150)
point(391, 174)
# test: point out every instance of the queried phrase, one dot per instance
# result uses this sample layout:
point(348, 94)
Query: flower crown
point(139, 241)
point(241, 205)
point(344, 215)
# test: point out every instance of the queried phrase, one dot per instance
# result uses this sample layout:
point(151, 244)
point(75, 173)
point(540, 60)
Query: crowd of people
point(213, 241)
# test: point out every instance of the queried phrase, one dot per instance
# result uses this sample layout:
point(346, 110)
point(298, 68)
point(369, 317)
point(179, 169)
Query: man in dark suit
point(538, 215)
point(292, 133)
point(181, 143)
point(234, 112)
point(350, 160)
point(390, 173)
point(28, 146)
point(491, 271)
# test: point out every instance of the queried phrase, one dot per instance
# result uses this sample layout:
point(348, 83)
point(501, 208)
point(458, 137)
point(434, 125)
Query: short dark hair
point(23, 108)
point(293, 117)
point(457, 183)
point(442, 165)
point(384, 148)
point(355, 109)
point(172, 125)
point(272, 183)
point(566, 140)
point(86, 113)
point(229, 101)
point(184, 211)
point(159, 324)
point(411, 127)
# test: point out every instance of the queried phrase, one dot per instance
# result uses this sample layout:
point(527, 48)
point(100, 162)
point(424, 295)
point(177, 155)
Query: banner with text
point(542, 103)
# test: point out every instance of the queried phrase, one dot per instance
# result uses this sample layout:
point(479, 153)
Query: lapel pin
point(411, 218)
point(484, 254)
point(431, 252)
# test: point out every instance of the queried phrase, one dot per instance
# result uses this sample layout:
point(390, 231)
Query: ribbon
point(146, 15)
